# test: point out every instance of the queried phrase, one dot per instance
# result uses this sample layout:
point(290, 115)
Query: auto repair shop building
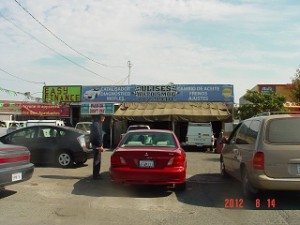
point(169, 106)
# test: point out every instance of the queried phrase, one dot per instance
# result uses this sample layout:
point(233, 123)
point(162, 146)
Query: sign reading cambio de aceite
point(61, 93)
point(159, 93)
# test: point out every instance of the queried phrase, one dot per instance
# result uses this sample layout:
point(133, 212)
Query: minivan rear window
point(284, 130)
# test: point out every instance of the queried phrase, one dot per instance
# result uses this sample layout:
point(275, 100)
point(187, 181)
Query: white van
point(45, 122)
point(85, 126)
point(7, 126)
point(200, 135)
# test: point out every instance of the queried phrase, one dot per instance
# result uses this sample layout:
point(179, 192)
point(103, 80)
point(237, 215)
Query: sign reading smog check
point(159, 93)
point(61, 93)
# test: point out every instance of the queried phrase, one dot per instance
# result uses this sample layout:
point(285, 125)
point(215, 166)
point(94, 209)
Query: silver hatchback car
point(263, 152)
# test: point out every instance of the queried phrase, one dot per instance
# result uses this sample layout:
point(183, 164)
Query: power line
point(122, 80)
point(62, 41)
point(29, 81)
point(15, 93)
point(54, 49)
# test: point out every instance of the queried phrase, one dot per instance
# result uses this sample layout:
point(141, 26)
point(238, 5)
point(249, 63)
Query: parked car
point(52, 144)
point(15, 166)
point(263, 153)
point(136, 127)
point(7, 126)
point(30, 123)
point(149, 157)
point(200, 135)
point(85, 126)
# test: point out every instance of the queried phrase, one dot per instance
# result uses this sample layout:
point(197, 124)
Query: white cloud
point(113, 32)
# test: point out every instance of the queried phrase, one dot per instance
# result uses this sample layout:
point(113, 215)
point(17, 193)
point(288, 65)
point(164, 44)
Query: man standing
point(96, 138)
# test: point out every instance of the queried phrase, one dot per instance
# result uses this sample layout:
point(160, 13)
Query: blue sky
point(242, 43)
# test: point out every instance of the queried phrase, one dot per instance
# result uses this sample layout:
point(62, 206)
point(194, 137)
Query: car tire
point(223, 172)
point(79, 163)
point(64, 159)
point(180, 187)
point(248, 190)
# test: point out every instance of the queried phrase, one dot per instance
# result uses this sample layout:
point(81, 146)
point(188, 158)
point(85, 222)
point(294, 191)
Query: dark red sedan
point(149, 157)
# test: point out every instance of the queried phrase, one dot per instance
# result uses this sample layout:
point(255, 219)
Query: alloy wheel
point(64, 159)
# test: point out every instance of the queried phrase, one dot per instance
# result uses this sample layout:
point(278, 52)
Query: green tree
point(295, 87)
point(260, 102)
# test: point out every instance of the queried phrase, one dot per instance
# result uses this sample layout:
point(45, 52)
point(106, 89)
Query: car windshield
point(284, 130)
point(149, 139)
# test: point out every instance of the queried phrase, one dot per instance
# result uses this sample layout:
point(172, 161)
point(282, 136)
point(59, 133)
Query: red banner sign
point(34, 109)
point(45, 110)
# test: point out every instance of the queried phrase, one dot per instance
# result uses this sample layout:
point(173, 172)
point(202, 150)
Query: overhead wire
point(122, 80)
point(36, 39)
point(62, 41)
point(29, 81)
point(26, 94)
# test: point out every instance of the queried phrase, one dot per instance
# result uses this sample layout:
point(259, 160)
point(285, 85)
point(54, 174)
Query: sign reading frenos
point(159, 93)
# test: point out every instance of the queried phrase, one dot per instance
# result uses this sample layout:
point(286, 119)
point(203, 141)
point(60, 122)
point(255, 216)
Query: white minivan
point(200, 135)
point(45, 122)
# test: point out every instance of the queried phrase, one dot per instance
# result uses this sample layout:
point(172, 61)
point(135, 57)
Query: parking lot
point(70, 196)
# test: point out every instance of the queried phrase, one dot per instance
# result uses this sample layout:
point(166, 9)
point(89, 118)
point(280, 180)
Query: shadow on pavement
point(4, 193)
point(104, 187)
point(61, 177)
point(74, 166)
point(211, 190)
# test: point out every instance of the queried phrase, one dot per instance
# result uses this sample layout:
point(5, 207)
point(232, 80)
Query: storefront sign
point(159, 93)
point(10, 108)
point(60, 94)
point(266, 89)
point(60, 110)
point(97, 108)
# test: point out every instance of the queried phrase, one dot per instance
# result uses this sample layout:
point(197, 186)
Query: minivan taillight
point(258, 161)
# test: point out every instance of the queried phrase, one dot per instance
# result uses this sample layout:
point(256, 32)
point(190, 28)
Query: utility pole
point(129, 70)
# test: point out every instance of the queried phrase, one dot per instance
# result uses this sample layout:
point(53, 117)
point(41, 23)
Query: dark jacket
point(96, 134)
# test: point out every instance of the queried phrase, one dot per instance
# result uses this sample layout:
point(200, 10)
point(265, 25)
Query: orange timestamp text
point(238, 203)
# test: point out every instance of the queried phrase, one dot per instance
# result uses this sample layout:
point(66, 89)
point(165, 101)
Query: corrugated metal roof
point(173, 111)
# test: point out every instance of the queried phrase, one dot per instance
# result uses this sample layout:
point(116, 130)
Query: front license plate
point(146, 163)
point(16, 177)
point(199, 144)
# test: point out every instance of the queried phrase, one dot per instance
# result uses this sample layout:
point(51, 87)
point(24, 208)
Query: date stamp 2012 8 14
point(238, 203)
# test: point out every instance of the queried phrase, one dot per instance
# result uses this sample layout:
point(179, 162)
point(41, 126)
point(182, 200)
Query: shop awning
point(173, 111)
